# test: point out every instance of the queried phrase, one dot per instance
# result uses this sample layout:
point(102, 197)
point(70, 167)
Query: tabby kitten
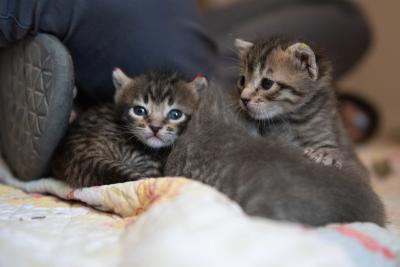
point(286, 92)
point(129, 139)
point(268, 178)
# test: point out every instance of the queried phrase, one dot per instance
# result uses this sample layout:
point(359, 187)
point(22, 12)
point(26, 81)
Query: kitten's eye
point(139, 111)
point(241, 81)
point(266, 83)
point(175, 114)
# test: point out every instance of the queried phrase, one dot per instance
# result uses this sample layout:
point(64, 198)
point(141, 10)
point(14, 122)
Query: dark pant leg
point(135, 35)
point(338, 26)
point(15, 20)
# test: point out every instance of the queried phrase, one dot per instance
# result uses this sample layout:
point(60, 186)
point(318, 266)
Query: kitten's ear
point(199, 84)
point(305, 56)
point(120, 79)
point(243, 46)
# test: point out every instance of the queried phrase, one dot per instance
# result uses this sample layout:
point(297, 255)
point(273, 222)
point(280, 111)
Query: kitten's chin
point(155, 142)
point(264, 113)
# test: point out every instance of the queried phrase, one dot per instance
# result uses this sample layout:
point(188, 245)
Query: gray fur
point(268, 178)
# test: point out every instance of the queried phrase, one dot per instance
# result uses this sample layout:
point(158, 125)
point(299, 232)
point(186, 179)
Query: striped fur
point(265, 177)
point(108, 144)
point(300, 107)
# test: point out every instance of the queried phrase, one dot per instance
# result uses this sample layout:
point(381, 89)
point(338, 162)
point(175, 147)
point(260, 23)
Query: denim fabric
point(14, 22)
point(135, 35)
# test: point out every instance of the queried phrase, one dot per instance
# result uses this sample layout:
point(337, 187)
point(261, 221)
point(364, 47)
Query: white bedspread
point(171, 222)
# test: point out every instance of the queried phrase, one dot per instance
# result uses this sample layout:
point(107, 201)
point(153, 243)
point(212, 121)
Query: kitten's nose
point(245, 100)
point(155, 129)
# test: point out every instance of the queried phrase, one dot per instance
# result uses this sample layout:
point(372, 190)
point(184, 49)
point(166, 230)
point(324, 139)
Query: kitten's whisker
point(287, 123)
point(232, 49)
point(233, 59)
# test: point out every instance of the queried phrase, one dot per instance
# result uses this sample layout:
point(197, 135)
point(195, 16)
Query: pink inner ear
point(198, 75)
point(117, 69)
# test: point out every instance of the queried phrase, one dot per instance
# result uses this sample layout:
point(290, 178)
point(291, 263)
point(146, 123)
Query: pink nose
point(155, 129)
point(245, 100)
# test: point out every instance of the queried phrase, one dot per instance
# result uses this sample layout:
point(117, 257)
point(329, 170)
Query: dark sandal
point(36, 95)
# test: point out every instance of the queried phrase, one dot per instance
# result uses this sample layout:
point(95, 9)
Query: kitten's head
point(155, 107)
point(278, 76)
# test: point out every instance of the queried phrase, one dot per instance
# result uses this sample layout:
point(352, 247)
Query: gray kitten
point(129, 139)
point(286, 92)
point(265, 177)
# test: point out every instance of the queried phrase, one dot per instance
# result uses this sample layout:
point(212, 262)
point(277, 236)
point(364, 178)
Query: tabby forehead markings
point(171, 101)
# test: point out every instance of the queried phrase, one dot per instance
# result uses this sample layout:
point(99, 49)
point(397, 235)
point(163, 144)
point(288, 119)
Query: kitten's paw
point(327, 157)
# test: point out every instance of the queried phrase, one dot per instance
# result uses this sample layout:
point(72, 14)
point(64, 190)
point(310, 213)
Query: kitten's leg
point(115, 171)
point(140, 163)
point(325, 156)
point(97, 170)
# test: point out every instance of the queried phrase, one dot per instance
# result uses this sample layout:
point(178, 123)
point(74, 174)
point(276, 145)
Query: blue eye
point(175, 114)
point(139, 111)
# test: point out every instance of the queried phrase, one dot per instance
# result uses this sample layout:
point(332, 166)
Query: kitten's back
point(269, 179)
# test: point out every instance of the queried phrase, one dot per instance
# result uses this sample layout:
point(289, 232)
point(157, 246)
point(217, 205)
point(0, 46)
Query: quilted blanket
point(169, 221)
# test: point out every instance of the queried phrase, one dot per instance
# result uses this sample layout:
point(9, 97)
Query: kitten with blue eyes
point(286, 94)
point(130, 138)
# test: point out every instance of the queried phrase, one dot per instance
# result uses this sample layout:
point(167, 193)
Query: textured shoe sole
point(36, 95)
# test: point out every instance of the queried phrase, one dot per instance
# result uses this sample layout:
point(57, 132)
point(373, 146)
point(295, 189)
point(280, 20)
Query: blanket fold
point(171, 222)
